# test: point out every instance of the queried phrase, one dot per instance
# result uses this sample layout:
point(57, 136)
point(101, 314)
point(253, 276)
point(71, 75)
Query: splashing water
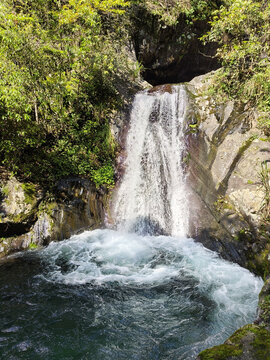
point(152, 195)
point(128, 294)
point(110, 295)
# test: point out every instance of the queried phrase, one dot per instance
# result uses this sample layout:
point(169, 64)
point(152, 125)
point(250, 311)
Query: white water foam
point(134, 296)
point(152, 199)
point(105, 256)
point(152, 194)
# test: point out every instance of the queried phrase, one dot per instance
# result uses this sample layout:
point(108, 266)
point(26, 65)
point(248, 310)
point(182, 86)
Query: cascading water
point(152, 194)
point(135, 293)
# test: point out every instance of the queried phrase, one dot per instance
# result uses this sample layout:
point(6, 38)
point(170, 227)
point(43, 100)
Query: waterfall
point(152, 195)
point(109, 294)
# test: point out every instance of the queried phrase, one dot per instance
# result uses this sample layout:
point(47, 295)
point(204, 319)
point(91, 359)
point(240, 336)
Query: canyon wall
point(227, 162)
point(227, 166)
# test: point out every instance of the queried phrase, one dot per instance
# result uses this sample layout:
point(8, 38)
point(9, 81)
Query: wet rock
point(251, 342)
point(17, 200)
point(264, 306)
point(226, 154)
point(77, 206)
point(161, 89)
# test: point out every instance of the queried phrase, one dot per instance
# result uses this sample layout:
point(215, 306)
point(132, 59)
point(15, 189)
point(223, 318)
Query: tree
point(242, 30)
point(58, 66)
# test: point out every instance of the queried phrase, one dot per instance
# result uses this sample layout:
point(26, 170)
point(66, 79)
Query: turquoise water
point(111, 295)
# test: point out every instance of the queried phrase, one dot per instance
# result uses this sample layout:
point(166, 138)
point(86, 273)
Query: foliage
point(104, 175)
point(59, 63)
point(29, 193)
point(33, 246)
point(169, 11)
point(242, 30)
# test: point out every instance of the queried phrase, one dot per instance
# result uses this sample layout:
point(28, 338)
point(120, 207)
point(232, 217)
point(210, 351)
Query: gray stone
point(77, 206)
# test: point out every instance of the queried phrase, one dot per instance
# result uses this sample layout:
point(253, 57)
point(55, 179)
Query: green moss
point(258, 258)
point(47, 206)
point(223, 203)
point(25, 217)
point(221, 352)
point(267, 299)
point(19, 218)
point(194, 128)
point(251, 266)
point(265, 139)
point(260, 344)
point(240, 333)
point(243, 235)
point(187, 158)
point(50, 207)
point(33, 246)
point(5, 190)
point(262, 262)
point(265, 307)
point(29, 193)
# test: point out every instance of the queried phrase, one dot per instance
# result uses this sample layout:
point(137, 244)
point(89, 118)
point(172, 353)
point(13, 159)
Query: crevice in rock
point(224, 184)
point(171, 54)
point(9, 229)
point(183, 69)
point(12, 228)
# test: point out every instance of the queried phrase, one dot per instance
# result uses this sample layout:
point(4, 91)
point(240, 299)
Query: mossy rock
point(18, 200)
point(33, 246)
point(251, 342)
point(261, 344)
point(48, 207)
point(29, 190)
point(263, 262)
point(264, 304)
point(221, 352)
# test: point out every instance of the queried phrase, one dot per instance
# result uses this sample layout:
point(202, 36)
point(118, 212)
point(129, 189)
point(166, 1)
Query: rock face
point(171, 54)
point(227, 158)
point(30, 219)
point(228, 172)
point(251, 342)
point(227, 167)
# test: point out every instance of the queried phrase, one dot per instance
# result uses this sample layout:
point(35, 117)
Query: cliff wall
point(227, 164)
point(228, 171)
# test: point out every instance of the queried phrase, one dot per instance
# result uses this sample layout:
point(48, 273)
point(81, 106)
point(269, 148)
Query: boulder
point(76, 206)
